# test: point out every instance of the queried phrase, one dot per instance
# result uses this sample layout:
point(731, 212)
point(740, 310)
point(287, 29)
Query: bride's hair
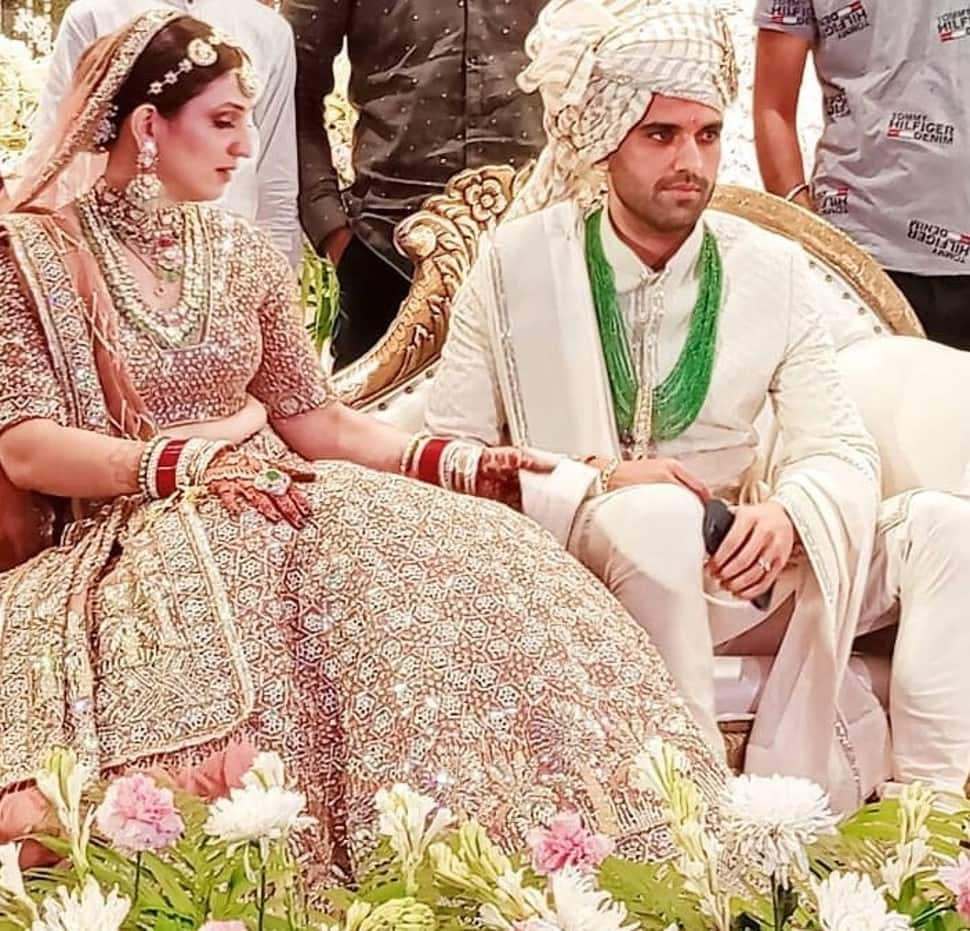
point(162, 56)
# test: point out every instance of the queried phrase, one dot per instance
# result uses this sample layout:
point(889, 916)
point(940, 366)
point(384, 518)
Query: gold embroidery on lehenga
point(404, 634)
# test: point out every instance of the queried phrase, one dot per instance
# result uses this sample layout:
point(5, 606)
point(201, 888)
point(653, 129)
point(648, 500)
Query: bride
point(233, 560)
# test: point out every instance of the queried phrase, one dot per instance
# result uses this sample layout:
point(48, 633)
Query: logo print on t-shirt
point(832, 202)
point(845, 21)
point(836, 104)
point(792, 12)
point(946, 243)
point(953, 25)
point(918, 127)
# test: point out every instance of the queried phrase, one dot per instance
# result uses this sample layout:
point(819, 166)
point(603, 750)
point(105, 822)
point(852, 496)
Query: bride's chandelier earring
point(145, 190)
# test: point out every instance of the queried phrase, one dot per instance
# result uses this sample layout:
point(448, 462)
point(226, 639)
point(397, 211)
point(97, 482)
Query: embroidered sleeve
point(289, 380)
point(465, 399)
point(28, 386)
point(818, 418)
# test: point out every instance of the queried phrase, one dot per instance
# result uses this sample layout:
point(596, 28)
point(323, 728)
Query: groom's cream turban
point(598, 63)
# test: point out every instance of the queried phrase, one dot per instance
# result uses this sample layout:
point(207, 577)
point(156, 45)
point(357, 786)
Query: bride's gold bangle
point(410, 451)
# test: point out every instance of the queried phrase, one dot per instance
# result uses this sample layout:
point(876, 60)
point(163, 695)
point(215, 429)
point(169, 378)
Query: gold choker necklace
point(154, 235)
point(172, 242)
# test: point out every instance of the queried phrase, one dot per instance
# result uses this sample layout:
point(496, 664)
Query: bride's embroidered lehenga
point(405, 634)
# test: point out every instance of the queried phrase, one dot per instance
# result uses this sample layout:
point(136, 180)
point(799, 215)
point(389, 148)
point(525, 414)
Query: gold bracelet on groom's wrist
point(606, 473)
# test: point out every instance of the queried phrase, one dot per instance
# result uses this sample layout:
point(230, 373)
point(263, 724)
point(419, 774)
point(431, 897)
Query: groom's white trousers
point(645, 544)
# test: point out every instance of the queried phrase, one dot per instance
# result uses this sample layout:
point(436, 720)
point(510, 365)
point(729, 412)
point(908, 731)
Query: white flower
point(11, 879)
point(850, 902)
point(663, 769)
point(61, 781)
point(656, 767)
point(770, 821)
point(912, 852)
point(400, 914)
point(266, 771)
point(403, 819)
point(518, 898)
point(254, 814)
point(580, 906)
point(88, 910)
point(911, 859)
point(36, 29)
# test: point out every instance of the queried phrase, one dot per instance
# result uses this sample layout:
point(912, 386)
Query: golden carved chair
point(392, 381)
point(442, 242)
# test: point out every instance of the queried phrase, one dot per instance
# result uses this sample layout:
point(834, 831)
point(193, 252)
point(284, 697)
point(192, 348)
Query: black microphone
point(718, 519)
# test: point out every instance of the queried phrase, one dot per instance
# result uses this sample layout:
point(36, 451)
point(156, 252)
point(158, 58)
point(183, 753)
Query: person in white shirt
point(266, 187)
point(613, 320)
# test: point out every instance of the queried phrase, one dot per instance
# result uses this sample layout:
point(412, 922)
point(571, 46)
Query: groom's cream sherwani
point(523, 361)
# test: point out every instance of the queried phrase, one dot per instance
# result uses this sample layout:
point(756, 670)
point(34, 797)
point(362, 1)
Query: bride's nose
point(242, 146)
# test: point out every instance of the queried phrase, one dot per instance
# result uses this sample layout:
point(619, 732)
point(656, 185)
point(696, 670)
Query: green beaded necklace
point(673, 405)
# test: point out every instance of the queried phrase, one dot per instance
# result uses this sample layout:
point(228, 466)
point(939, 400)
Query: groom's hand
point(755, 551)
point(657, 472)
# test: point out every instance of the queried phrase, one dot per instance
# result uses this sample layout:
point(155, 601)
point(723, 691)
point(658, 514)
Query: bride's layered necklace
point(173, 245)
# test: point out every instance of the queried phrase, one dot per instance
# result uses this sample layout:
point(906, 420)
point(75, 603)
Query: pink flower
point(567, 843)
point(957, 880)
point(223, 926)
point(136, 815)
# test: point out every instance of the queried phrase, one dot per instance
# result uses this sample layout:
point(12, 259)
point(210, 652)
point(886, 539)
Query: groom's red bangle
point(430, 461)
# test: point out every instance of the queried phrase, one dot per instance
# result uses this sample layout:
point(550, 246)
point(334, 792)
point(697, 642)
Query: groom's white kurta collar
point(631, 272)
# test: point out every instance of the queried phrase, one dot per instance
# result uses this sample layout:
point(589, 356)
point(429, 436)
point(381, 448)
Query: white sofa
point(887, 374)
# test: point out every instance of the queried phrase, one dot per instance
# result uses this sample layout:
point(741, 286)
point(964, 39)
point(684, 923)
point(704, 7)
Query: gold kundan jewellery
point(201, 53)
point(173, 243)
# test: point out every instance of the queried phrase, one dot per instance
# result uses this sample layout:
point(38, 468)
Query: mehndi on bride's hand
point(469, 468)
point(498, 473)
point(242, 481)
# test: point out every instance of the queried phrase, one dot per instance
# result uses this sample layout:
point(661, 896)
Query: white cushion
point(911, 394)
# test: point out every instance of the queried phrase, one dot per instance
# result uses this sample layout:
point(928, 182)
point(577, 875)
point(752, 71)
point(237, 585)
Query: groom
point(614, 320)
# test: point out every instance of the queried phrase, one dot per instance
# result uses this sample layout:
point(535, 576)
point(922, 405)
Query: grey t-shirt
point(893, 165)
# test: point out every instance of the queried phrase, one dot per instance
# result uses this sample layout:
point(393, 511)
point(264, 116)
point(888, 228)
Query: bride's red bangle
point(428, 464)
point(167, 464)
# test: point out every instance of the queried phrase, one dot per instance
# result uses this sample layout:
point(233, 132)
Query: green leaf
point(652, 892)
point(174, 885)
point(319, 294)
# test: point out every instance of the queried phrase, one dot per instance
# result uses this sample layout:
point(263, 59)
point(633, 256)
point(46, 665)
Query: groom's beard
point(674, 205)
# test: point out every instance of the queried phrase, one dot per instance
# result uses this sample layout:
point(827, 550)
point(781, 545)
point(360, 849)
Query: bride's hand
point(242, 481)
point(498, 473)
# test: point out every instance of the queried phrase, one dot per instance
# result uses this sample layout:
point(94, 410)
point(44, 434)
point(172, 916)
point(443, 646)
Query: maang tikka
point(145, 189)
